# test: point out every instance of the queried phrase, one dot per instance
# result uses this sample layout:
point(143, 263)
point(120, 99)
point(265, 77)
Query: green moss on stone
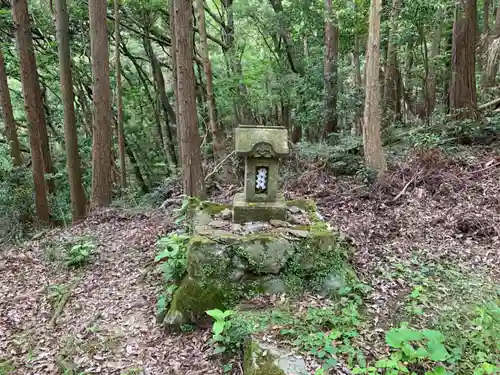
point(307, 205)
point(193, 298)
point(213, 208)
point(255, 363)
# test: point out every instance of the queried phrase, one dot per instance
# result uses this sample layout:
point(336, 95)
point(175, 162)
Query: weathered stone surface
point(268, 359)
point(273, 286)
point(251, 166)
point(224, 266)
point(268, 255)
point(244, 211)
point(226, 214)
point(248, 136)
point(255, 227)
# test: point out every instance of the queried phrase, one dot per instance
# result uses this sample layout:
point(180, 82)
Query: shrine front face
point(261, 146)
point(261, 179)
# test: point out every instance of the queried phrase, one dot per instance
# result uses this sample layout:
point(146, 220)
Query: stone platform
point(228, 262)
point(244, 211)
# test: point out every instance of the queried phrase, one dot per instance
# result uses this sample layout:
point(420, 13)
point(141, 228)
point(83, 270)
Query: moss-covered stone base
point(265, 359)
point(244, 211)
point(225, 265)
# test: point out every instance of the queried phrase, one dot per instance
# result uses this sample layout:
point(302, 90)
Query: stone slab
point(248, 136)
point(244, 211)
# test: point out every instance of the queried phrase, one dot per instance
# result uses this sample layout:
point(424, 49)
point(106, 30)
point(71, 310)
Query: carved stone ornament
point(263, 150)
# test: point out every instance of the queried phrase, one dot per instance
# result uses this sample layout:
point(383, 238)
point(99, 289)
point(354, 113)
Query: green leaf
point(437, 351)
point(216, 314)
point(227, 313)
point(218, 327)
point(220, 349)
point(437, 371)
point(162, 255)
point(433, 335)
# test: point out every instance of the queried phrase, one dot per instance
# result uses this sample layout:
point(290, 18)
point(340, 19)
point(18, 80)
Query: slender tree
point(32, 103)
point(8, 116)
point(374, 153)
point(392, 101)
point(119, 99)
point(330, 70)
point(102, 183)
point(463, 100)
point(216, 130)
point(192, 174)
point(70, 132)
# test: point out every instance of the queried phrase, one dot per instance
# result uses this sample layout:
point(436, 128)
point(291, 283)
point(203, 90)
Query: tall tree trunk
point(492, 66)
point(165, 104)
point(430, 96)
point(463, 102)
point(215, 127)
point(102, 183)
point(243, 112)
point(137, 170)
point(330, 71)
point(372, 144)
point(32, 103)
point(391, 101)
point(486, 16)
point(173, 50)
point(192, 174)
point(119, 99)
point(8, 116)
point(357, 126)
point(70, 132)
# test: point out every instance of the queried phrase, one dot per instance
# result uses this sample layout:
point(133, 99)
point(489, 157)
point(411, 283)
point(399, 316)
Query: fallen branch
point(217, 167)
point(62, 302)
point(489, 104)
point(406, 186)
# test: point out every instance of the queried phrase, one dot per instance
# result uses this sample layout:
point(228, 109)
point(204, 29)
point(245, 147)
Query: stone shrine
point(261, 146)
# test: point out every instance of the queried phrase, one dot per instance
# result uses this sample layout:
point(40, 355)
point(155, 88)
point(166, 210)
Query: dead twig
point(407, 185)
point(62, 302)
point(217, 167)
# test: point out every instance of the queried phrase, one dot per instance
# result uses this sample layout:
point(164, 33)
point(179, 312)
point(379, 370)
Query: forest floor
point(425, 237)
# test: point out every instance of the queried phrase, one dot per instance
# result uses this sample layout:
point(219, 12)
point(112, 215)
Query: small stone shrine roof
point(248, 136)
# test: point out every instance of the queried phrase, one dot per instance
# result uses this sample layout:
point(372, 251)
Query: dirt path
point(107, 325)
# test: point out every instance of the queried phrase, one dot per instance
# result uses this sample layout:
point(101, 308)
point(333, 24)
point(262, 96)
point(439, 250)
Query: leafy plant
point(229, 330)
point(220, 325)
point(79, 254)
point(172, 256)
point(412, 347)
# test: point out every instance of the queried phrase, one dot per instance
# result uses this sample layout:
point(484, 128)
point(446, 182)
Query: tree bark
point(173, 51)
point(372, 144)
point(463, 101)
point(215, 128)
point(70, 132)
point(32, 104)
point(330, 71)
point(391, 101)
point(357, 126)
point(8, 116)
point(102, 184)
point(165, 104)
point(192, 174)
point(492, 67)
point(119, 99)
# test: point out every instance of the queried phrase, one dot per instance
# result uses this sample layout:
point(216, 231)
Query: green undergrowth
point(448, 323)
point(461, 304)
point(75, 252)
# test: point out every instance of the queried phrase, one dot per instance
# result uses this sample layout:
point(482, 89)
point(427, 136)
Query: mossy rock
point(224, 267)
point(266, 359)
point(193, 298)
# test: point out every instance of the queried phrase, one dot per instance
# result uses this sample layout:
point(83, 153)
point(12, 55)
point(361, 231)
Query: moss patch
point(193, 298)
point(255, 363)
